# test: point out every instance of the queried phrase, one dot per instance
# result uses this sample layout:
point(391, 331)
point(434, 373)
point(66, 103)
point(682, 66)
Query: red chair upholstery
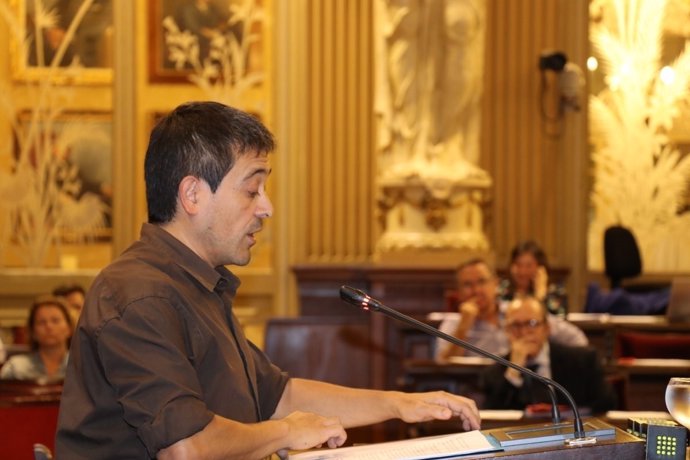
point(24, 425)
point(28, 415)
point(451, 300)
point(647, 345)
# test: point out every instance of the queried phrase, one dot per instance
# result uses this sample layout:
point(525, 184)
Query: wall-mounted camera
point(552, 60)
point(566, 85)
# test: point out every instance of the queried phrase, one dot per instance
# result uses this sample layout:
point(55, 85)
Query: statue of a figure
point(430, 54)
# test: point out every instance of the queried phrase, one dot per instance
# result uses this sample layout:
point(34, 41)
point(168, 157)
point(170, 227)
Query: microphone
point(360, 299)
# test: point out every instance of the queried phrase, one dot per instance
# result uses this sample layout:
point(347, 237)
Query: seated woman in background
point(50, 331)
point(529, 277)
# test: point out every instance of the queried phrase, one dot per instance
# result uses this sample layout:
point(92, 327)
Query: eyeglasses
point(518, 326)
point(481, 282)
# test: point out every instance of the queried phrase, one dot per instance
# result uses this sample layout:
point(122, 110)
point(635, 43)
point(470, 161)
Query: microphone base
point(577, 442)
point(553, 434)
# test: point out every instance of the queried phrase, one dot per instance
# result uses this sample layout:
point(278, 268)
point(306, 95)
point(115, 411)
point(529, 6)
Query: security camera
point(552, 60)
point(571, 81)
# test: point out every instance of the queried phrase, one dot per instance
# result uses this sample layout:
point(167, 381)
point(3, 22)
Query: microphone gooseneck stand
point(360, 299)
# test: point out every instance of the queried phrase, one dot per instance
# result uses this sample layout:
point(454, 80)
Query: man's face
point(75, 300)
point(478, 283)
point(235, 212)
point(525, 321)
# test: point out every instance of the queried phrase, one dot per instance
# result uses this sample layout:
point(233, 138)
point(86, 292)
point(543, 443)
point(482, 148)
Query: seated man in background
point(578, 369)
point(74, 296)
point(480, 319)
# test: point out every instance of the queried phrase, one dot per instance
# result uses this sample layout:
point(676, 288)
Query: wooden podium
point(518, 443)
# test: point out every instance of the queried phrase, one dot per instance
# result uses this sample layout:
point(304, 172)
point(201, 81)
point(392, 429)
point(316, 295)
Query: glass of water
point(678, 399)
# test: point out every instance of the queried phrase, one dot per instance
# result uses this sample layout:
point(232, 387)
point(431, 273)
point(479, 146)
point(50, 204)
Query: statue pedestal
point(432, 221)
point(449, 258)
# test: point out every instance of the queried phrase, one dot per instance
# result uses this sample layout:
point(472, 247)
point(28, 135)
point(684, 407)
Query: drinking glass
point(678, 399)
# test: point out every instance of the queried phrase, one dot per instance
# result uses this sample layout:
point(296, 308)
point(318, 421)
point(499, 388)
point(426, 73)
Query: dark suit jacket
point(576, 368)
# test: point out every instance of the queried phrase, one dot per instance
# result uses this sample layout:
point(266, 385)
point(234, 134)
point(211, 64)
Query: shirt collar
point(218, 279)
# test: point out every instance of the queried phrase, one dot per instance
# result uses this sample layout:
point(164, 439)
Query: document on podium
point(471, 442)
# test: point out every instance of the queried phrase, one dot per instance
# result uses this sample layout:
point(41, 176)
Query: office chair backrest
point(335, 349)
point(621, 255)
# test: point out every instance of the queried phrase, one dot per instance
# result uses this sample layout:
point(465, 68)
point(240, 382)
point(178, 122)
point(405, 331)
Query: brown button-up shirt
point(156, 353)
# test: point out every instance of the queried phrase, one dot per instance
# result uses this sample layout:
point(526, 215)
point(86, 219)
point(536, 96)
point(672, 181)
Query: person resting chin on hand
point(578, 369)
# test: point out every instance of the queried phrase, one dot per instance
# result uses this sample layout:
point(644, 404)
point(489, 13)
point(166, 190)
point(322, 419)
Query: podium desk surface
point(622, 445)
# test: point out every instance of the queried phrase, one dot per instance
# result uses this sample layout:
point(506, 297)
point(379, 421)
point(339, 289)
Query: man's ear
point(189, 194)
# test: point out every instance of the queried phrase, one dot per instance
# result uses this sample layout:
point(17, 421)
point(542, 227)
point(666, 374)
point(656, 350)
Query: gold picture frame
point(75, 44)
point(181, 29)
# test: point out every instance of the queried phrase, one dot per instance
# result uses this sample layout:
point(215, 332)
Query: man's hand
point(437, 405)
point(521, 350)
point(307, 430)
point(469, 311)
point(541, 283)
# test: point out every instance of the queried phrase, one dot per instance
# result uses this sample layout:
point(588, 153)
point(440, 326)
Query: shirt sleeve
point(7, 371)
point(271, 382)
point(144, 359)
point(566, 333)
point(448, 325)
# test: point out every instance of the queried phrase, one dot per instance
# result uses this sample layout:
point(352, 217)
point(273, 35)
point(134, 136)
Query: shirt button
point(222, 284)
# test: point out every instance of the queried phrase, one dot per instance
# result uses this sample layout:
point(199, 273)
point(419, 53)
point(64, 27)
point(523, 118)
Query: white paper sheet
point(409, 449)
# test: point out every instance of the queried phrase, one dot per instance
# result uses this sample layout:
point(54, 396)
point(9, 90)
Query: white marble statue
point(430, 58)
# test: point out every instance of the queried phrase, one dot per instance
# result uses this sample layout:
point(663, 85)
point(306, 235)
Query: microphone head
point(357, 298)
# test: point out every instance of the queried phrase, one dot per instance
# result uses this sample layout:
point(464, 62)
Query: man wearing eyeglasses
point(578, 369)
point(480, 318)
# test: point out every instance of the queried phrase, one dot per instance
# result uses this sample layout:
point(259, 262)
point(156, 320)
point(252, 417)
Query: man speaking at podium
point(160, 367)
point(576, 368)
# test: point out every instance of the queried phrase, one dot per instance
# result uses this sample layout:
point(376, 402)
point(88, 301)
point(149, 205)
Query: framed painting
point(62, 40)
point(202, 38)
point(74, 149)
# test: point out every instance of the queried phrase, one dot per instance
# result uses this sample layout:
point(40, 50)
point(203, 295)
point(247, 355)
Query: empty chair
point(622, 260)
point(328, 348)
point(621, 255)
